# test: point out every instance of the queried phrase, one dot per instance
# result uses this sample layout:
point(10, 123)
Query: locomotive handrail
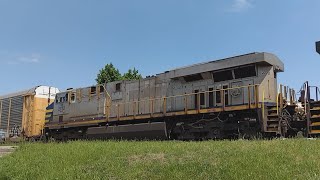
point(306, 96)
point(279, 97)
point(108, 103)
point(1, 104)
point(162, 102)
point(317, 92)
point(183, 95)
point(283, 95)
point(263, 94)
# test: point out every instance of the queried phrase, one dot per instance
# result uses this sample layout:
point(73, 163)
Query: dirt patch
point(5, 150)
point(147, 158)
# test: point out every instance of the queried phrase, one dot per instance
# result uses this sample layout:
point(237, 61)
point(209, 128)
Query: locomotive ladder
point(275, 121)
point(314, 118)
point(312, 110)
point(272, 120)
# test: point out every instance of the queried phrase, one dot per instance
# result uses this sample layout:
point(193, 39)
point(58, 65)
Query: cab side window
point(118, 87)
point(73, 97)
point(101, 88)
point(93, 90)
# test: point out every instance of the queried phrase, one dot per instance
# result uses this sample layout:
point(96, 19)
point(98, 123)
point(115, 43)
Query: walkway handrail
point(164, 101)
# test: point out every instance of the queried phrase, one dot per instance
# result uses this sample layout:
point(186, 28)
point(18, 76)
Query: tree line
point(109, 73)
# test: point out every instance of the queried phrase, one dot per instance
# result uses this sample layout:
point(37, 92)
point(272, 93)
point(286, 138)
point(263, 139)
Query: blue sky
point(64, 43)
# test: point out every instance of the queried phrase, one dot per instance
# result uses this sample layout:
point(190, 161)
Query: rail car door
point(222, 99)
point(217, 94)
point(202, 99)
point(237, 94)
point(245, 91)
point(60, 106)
point(177, 102)
point(211, 95)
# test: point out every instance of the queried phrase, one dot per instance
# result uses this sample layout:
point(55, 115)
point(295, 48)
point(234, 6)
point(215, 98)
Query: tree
point(108, 74)
point(132, 74)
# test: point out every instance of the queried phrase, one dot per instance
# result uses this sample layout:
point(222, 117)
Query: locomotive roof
point(256, 57)
point(35, 91)
point(241, 60)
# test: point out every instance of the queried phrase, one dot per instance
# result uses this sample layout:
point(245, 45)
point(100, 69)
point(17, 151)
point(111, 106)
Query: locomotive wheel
point(214, 134)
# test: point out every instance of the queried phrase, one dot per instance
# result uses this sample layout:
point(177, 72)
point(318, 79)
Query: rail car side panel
point(130, 98)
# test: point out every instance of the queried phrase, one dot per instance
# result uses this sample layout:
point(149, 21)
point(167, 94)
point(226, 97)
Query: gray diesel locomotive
point(227, 98)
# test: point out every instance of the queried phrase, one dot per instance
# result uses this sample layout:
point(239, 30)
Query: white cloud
point(241, 5)
point(27, 59)
point(12, 63)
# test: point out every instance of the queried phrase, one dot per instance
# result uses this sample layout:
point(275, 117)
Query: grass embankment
point(277, 159)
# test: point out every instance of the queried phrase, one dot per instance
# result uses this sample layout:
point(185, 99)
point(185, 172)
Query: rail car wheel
point(32, 139)
point(214, 134)
point(250, 133)
point(185, 135)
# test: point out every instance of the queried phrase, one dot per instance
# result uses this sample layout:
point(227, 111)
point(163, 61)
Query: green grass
point(276, 159)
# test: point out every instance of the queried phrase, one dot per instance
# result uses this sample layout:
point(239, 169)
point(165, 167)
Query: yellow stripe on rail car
point(49, 110)
point(48, 116)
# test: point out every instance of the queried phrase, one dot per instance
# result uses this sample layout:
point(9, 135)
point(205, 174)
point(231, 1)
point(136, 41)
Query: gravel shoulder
point(5, 150)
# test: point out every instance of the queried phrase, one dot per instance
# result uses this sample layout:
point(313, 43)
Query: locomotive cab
point(80, 104)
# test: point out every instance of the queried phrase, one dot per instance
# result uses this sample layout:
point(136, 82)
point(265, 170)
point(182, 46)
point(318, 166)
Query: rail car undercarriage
point(248, 124)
